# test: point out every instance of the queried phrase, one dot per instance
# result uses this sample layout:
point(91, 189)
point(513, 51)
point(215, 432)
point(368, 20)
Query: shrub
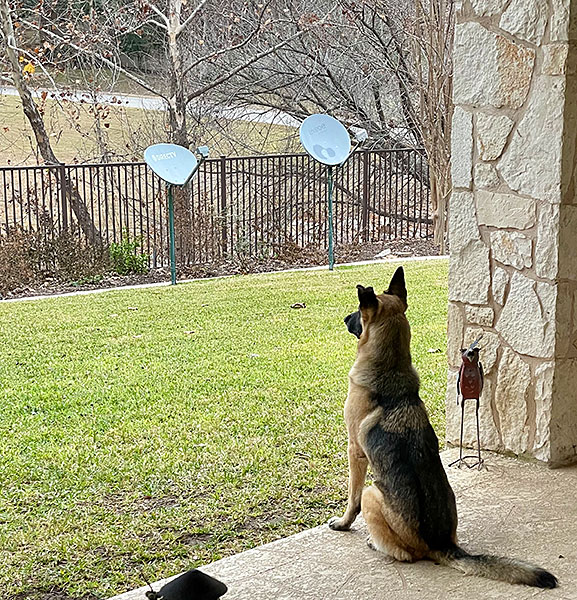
point(66, 255)
point(125, 257)
point(16, 262)
point(29, 257)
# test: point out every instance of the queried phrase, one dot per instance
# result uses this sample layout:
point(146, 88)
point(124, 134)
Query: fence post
point(224, 233)
point(365, 200)
point(63, 196)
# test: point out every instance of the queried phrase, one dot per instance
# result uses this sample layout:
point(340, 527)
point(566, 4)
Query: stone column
point(513, 223)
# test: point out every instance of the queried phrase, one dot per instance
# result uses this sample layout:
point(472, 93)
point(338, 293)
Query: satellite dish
point(325, 139)
point(175, 164)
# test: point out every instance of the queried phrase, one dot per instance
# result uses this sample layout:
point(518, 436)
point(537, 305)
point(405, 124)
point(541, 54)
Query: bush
point(16, 262)
point(29, 257)
point(66, 255)
point(125, 258)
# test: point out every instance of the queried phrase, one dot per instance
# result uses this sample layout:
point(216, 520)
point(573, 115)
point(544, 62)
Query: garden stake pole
point(176, 165)
point(329, 143)
point(171, 221)
point(331, 254)
point(171, 231)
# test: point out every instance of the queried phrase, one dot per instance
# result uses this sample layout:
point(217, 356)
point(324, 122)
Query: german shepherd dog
point(410, 509)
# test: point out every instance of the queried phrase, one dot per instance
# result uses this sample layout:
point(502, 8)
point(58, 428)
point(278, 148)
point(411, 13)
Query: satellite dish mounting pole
point(331, 250)
point(175, 165)
point(171, 219)
point(202, 158)
point(171, 233)
point(328, 142)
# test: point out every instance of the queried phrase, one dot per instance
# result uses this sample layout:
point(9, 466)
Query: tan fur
point(355, 411)
point(389, 531)
point(410, 509)
point(383, 537)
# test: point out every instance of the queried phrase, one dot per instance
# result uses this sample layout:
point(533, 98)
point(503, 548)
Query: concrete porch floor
point(510, 508)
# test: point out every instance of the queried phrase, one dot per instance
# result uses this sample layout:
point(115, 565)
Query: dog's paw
point(387, 559)
point(371, 545)
point(338, 524)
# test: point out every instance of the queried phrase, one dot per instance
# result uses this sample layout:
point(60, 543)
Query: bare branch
point(271, 50)
point(232, 48)
point(152, 22)
point(33, 58)
point(159, 13)
point(190, 17)
point(100, 58)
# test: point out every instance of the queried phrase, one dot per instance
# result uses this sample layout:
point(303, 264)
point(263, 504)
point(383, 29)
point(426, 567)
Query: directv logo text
point(164, 156)
point(318, 128)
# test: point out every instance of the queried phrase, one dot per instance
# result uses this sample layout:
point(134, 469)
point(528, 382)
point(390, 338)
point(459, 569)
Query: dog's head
point(373, 308)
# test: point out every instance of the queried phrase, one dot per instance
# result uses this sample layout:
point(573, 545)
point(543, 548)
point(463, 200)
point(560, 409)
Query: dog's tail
point(510, 570)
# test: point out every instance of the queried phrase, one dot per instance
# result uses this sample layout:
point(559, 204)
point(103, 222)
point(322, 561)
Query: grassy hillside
point(125, 132)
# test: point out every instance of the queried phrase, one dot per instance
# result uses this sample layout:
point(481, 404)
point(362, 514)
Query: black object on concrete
point(192, 585)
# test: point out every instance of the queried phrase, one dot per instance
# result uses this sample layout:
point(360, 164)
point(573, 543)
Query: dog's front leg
point(358, 464)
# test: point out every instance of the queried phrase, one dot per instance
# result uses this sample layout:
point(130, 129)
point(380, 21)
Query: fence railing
point(252, 206)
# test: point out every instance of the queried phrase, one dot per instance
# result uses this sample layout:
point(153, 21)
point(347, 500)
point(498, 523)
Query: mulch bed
point(291, 258)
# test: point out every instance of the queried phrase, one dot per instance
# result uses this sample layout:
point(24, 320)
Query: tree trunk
point(177, 108)
point(434, 27)
point(179, 133)
point(37, 123)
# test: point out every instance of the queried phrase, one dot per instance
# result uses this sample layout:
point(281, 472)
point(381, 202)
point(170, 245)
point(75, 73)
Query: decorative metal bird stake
point(469, 387)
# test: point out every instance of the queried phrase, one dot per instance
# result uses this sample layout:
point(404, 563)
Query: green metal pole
point(331, 256)
point(171, 228)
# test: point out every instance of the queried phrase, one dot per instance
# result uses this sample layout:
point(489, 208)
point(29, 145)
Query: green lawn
point(156, 430)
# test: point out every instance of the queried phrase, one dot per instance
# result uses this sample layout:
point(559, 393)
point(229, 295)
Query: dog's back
point(403, 452)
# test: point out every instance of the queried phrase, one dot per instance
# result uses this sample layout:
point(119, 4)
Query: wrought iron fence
point(252, 206)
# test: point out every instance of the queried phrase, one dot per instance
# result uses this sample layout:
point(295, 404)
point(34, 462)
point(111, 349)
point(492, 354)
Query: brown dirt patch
point(194, 539)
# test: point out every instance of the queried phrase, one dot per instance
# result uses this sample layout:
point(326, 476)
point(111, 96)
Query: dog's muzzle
point(354, 323)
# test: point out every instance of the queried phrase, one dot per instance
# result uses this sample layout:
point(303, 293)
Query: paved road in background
point(254, 115)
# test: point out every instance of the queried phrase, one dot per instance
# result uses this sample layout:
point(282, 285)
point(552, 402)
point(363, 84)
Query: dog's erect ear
point(397, 286)
point(367, 298)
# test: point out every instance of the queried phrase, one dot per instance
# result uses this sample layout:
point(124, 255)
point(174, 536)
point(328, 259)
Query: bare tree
point(356, 69)
point(200, 46)
point(203, 45)
point(433, 52)
point(381, 64)
point(384, 65)
point(36, 121)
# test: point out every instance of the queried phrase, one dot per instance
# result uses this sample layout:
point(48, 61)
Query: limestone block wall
point(513, 223)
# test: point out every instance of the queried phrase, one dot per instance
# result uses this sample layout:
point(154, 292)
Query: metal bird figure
point(469, 387)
